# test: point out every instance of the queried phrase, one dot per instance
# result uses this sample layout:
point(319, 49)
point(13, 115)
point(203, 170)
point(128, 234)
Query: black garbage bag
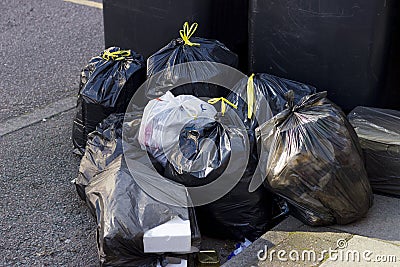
point(379, 133)
point(263, 88)
point(239, 214)
point(123, 211)
point(257, 99)
point(107, 84)
point(191, 49)
point(184, 140)
point(204, 153)
point(104, 146)
point(312, 158)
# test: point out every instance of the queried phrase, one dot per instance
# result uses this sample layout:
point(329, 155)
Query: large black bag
point(240, 213)
point(107, 84)
point(257, 99)
point(191, 49)
point(379, 133)
point(123, 211)
point(312, 158)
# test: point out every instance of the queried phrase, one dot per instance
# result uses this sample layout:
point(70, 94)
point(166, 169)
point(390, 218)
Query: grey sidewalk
point(372, 241)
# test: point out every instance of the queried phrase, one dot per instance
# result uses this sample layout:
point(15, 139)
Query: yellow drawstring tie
point(223, 100)
point(117, 55)
point(250, 96)
point(187, 32)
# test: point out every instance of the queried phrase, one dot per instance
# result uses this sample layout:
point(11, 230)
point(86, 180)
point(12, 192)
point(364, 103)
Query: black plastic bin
point(147, 25)
point(336, 45)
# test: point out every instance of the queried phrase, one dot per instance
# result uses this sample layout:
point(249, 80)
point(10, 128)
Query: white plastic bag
point(163, 119)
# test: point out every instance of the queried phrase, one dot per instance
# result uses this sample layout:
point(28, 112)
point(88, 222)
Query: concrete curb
point(14, 124)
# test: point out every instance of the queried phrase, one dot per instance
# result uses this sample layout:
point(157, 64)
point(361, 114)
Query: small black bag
point(107, 85)
point(185, 50)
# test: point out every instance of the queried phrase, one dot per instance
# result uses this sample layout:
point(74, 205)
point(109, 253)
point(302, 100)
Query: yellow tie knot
point(224, 101)
point(116, 55)
point(187, 32)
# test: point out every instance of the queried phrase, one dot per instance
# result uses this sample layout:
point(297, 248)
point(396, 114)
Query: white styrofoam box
point(182, 264)
point(172, 236)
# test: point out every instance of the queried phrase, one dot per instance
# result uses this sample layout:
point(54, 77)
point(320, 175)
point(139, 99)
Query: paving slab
point(378, 230)
point(382, 220)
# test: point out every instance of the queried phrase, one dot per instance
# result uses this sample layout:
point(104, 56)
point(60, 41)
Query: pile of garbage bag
point(379, 133)
point(266, 144)
point(201, 150)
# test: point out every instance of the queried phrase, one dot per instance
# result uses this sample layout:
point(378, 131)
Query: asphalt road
point(42, 220)
point(43, 46)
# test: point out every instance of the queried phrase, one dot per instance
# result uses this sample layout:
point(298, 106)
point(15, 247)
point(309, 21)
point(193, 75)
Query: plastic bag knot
point(187, 32)
point(224, 101)
point(117, 55)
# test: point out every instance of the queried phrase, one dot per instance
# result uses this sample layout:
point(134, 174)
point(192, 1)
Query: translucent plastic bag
point(203, 153)
point(379, 134)
point(312, 158)
point(107, 84)
point(104, 146)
